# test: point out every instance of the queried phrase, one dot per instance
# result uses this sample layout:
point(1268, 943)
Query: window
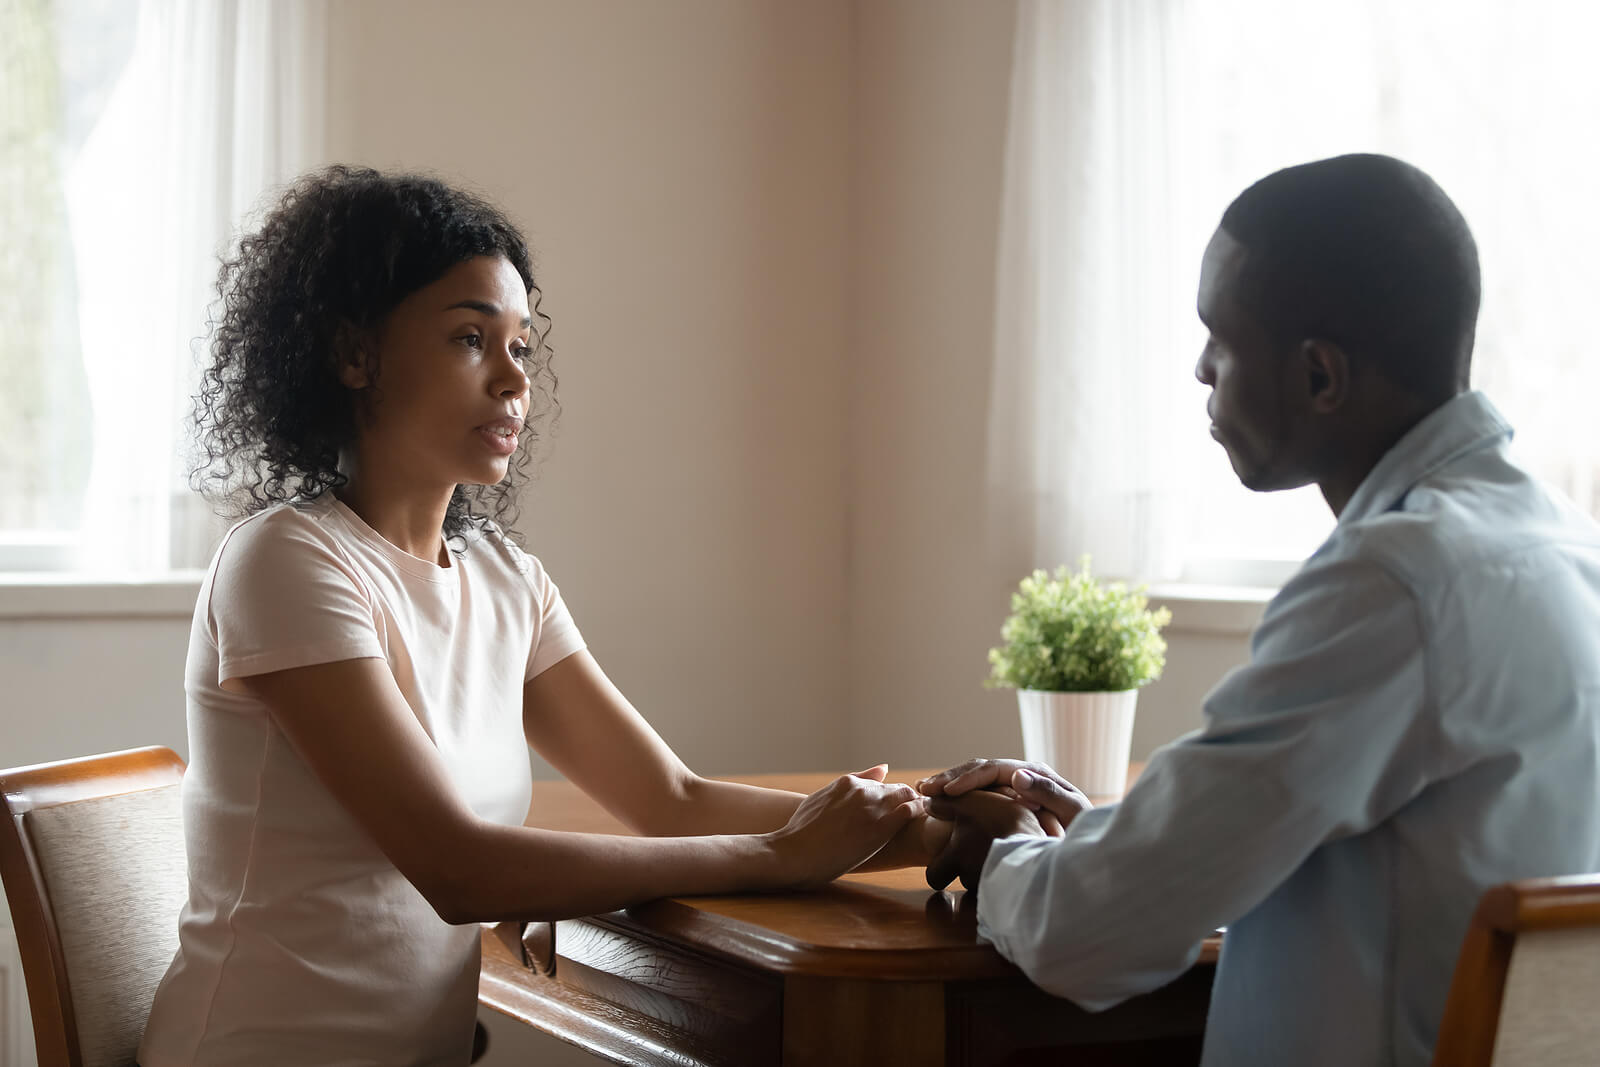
point(1133, 123)
point(137, 135)
point(1498, 102)
point(51, 100)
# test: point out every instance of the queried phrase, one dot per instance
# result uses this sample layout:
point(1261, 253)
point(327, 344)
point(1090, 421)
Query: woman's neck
point(412, 519)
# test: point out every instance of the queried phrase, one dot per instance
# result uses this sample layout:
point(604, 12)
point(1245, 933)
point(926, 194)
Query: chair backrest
point(92, 856)
point(1527, 983)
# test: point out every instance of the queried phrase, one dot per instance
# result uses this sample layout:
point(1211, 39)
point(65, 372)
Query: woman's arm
point(585, 728)
point(351, 724)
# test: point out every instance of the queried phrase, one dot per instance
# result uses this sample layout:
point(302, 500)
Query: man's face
point(1252, 413)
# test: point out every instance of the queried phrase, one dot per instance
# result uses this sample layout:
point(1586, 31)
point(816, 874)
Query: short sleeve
point(556, 636)
point(283, 595)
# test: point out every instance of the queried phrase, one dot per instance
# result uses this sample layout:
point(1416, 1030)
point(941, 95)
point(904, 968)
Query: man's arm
point(1318, 737)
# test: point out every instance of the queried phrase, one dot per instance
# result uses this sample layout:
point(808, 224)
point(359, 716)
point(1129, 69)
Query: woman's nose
point(513, 379)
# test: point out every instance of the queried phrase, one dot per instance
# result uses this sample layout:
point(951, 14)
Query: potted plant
point(1076, 651)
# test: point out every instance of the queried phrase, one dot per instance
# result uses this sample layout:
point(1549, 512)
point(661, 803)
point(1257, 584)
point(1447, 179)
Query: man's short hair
point(1369, 253)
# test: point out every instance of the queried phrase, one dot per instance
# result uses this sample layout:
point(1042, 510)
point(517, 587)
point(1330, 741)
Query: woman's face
point(451, 390)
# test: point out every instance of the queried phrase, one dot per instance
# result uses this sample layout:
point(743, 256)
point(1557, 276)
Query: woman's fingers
point(876, 773)
point(844, 823)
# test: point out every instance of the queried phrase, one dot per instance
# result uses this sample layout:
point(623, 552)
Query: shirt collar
point(1465, 423)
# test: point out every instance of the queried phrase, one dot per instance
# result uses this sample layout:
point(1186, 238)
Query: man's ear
point(1327, 374)
point(353, 356)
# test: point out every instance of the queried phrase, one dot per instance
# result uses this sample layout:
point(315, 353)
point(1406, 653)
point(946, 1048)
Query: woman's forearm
point(513, 872)
point(493, 872)
point(709, 806)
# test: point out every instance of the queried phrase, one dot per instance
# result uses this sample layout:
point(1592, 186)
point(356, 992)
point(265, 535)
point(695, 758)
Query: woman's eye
point(471, 340)
point(522, 354)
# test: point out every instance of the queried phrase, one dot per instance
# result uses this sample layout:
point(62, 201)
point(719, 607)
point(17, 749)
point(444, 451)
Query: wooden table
point(874, 969)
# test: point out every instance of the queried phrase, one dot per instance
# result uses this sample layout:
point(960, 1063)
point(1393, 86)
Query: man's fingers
point(944, 868)
point(982, 776)
point(1062, 801)
point(945, 808)
point(934, 784)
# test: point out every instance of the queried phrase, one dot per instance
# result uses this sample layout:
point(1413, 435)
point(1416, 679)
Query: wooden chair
point(92, 857)
point(1527, 983)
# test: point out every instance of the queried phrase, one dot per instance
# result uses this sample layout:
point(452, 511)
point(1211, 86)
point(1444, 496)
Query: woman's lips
point(501, 435)
point(500, 443)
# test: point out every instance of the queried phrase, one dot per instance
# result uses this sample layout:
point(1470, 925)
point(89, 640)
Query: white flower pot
point(1086, 737)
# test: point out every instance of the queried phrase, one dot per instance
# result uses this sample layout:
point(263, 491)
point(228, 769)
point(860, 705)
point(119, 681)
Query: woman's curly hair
point(327, 265)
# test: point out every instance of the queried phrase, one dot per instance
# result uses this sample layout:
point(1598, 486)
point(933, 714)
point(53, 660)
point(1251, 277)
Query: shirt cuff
point(1003, 886)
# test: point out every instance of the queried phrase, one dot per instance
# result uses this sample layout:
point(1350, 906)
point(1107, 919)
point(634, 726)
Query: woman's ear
point(353, 355)
point(1327, 370)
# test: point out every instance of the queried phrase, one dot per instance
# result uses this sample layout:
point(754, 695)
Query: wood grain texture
point(616, 1033)
point(1543, 903)
point(875, 968)
point(831, 1021)
point(27, 789)
point(1471, 1019)
point(886, 925)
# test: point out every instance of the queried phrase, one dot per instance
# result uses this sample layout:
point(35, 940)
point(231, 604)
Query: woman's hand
point(842, 824)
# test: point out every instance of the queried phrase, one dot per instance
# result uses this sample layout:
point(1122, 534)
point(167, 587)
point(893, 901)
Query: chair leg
point(480, 1041)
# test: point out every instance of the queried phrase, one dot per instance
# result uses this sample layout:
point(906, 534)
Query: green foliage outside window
point(45, 425)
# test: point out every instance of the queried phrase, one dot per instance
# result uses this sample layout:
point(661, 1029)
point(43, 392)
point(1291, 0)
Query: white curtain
point(220, 101)
point(1083, 398)
point(1134, 123)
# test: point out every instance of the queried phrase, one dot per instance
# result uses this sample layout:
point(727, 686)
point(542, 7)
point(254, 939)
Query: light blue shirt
point(1419, 720)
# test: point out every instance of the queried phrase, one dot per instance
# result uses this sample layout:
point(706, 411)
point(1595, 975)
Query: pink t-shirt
point(301, 943)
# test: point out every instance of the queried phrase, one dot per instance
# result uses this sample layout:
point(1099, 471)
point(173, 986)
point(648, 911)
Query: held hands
point(842, 824)
point(988, 799)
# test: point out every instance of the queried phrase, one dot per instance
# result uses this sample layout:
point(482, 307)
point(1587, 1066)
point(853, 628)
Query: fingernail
point(1023, 778)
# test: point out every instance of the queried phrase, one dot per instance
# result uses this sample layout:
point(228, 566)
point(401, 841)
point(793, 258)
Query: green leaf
point(1068, 632)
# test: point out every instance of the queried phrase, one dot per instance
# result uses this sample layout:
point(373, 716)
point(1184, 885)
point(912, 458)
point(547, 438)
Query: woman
point(371, 653)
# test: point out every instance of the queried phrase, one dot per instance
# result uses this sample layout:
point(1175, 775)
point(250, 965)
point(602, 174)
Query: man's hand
point(1053, 799)
point(980, 817)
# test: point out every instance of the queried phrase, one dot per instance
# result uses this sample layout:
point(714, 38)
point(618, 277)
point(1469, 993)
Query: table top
point(886, 924)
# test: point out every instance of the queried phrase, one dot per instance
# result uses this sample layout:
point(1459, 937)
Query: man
point(1420, 715)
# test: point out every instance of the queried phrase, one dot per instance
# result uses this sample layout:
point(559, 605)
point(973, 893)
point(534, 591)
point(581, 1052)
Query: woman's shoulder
point(281, 539)
point(497, 548)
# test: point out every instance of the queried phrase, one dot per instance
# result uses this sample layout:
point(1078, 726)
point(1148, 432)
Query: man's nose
point(1202, 367)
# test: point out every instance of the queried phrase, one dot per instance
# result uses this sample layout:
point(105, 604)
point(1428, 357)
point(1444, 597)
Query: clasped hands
point(987, 799)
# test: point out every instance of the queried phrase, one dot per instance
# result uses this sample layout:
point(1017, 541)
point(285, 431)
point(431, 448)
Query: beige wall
point(926, 601)
point(766, 230)
point(681, 170)
point(767, 234)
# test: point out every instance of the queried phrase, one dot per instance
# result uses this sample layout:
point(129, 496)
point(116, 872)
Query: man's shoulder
point(1456, 537)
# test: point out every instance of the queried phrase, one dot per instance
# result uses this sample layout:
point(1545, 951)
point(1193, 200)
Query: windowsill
point(88, 596)
point(1214, 609)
